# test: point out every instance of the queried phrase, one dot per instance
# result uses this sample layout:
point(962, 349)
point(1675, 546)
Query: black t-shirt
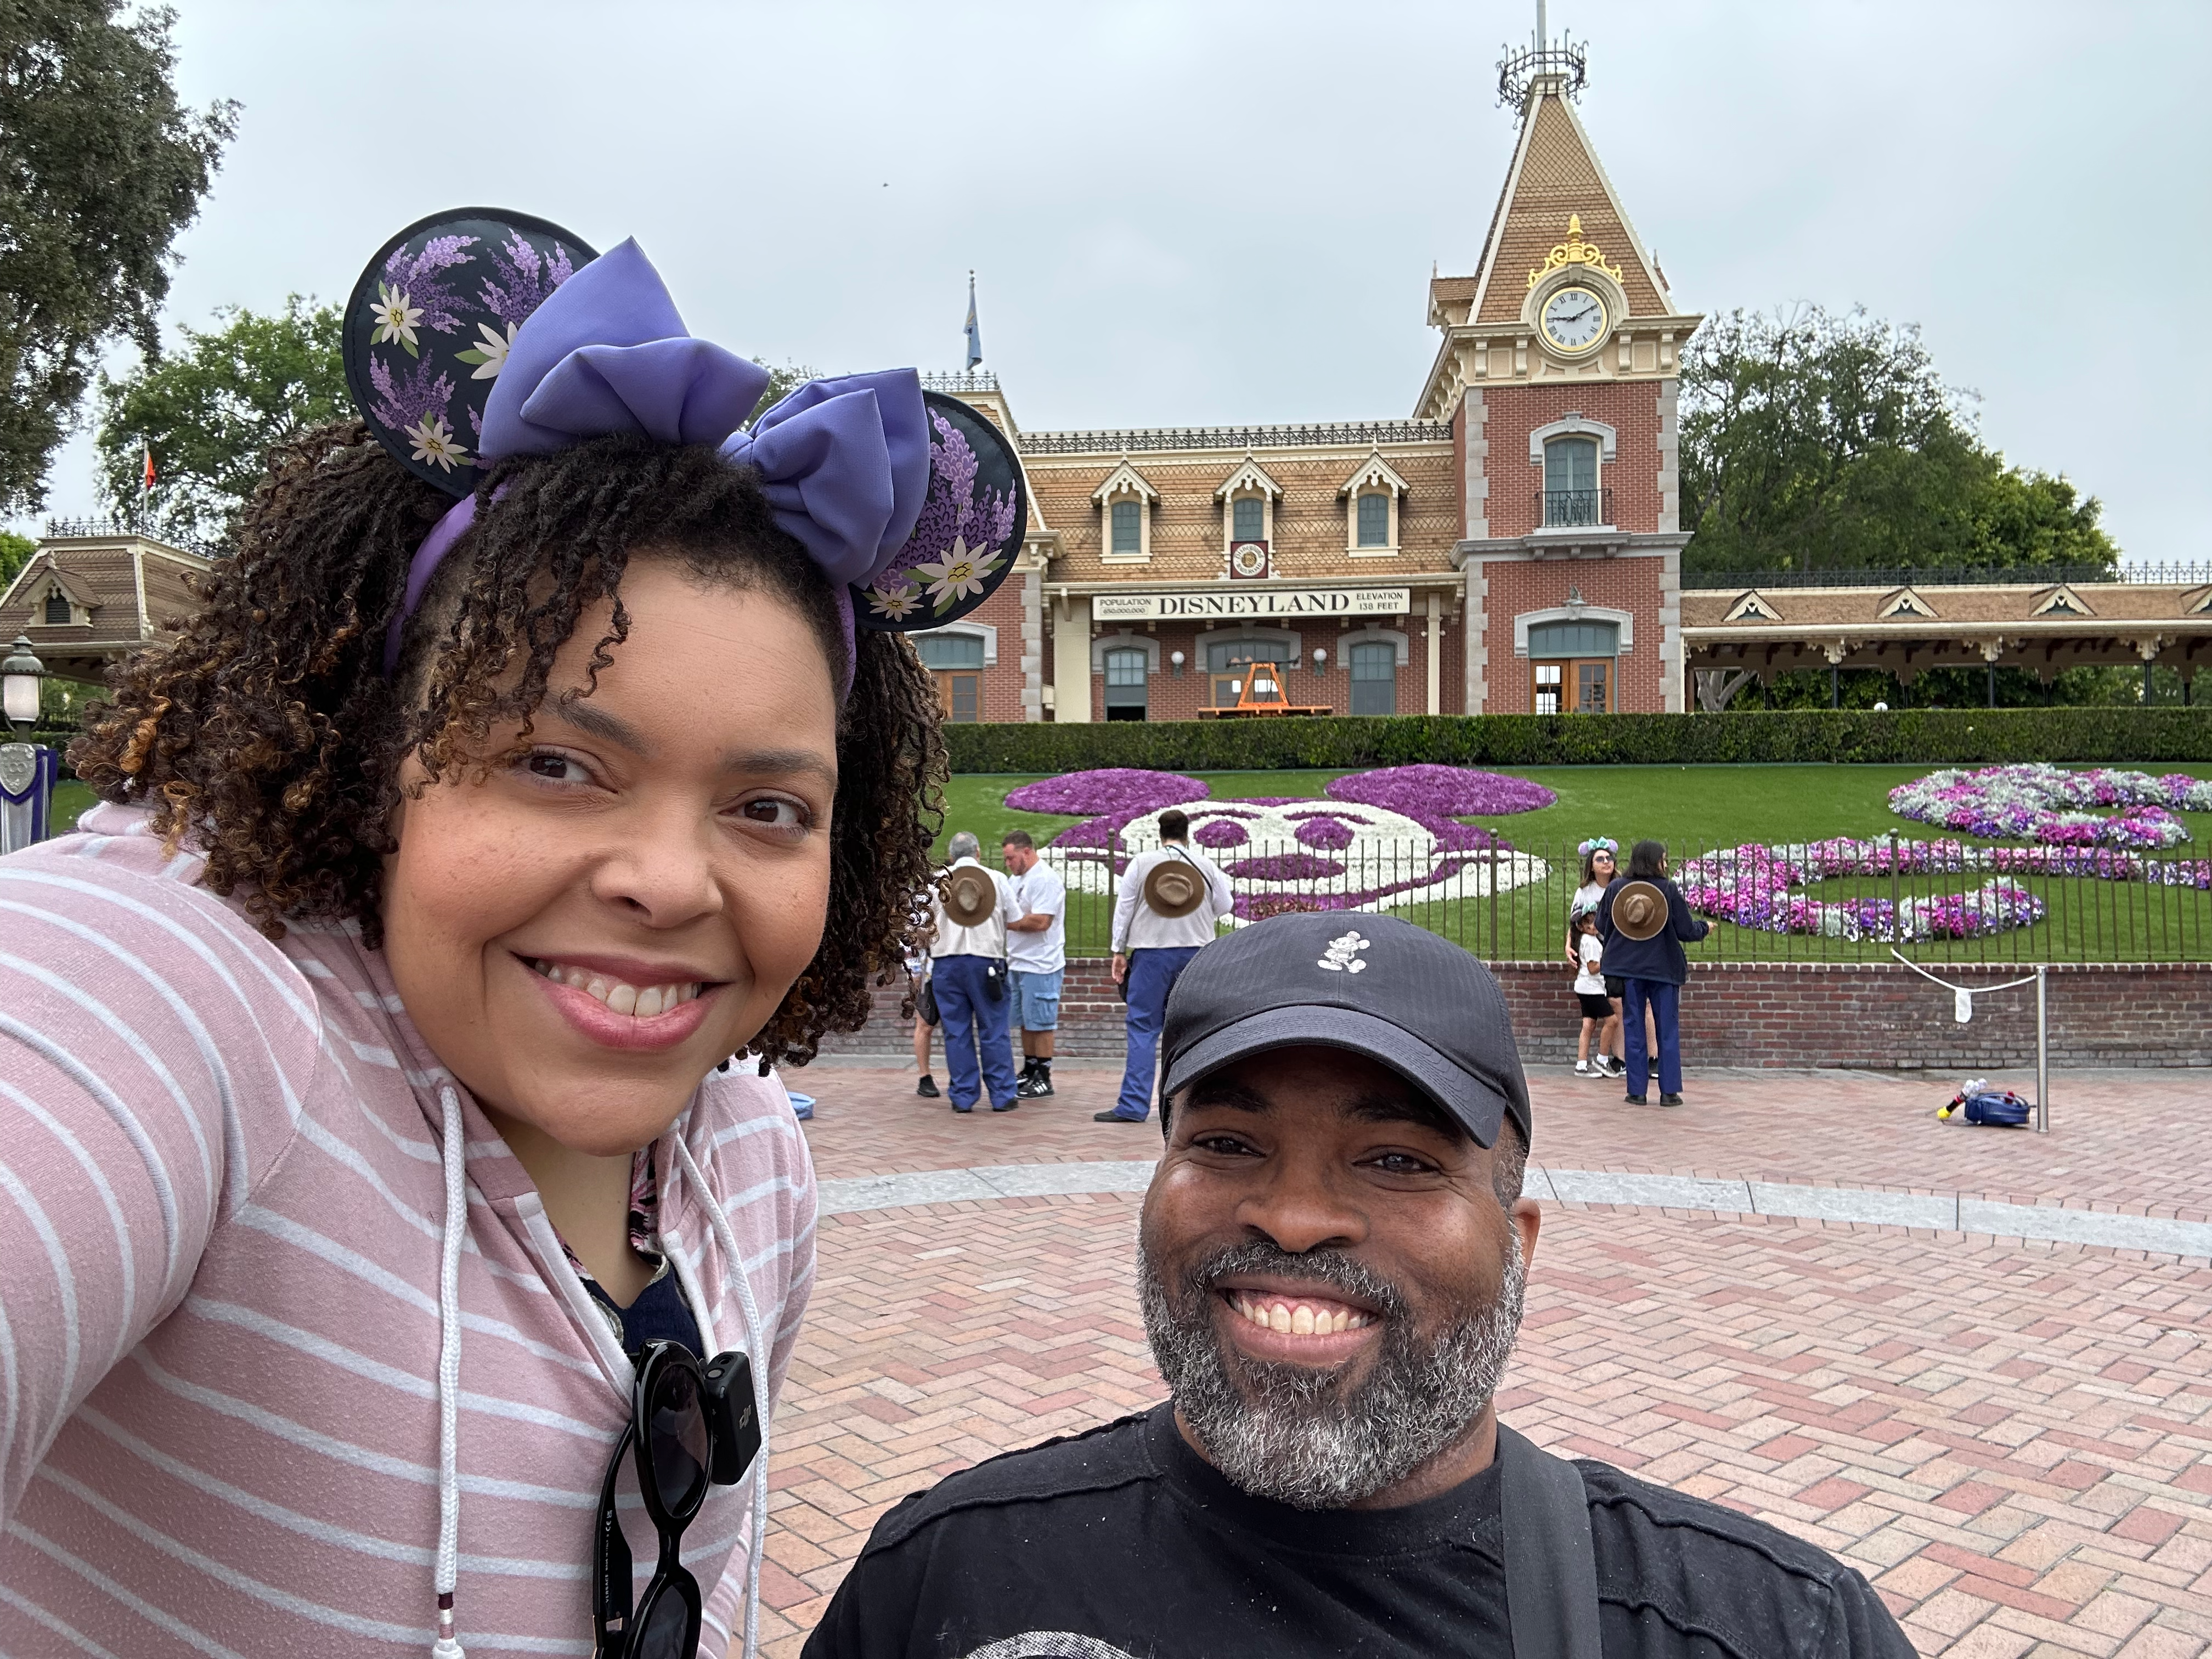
point(1124, 1542)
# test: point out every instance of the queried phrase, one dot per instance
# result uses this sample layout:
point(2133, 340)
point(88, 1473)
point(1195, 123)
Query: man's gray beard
point(1304, 1437)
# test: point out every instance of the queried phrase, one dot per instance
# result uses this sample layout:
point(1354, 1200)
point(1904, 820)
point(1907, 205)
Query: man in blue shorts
point(1036, 956)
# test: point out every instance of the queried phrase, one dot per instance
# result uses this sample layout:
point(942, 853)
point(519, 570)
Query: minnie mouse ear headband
point(1598, 844)
point(479, 334)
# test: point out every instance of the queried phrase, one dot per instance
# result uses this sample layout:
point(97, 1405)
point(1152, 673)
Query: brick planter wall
point(1865, 1017)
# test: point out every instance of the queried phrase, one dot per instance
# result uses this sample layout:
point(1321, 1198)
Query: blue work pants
point(972, 1017)
point(1152, 975)
point(1665, 1002)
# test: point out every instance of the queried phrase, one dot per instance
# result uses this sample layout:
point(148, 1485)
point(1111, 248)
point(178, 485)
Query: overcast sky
point(1223, 211)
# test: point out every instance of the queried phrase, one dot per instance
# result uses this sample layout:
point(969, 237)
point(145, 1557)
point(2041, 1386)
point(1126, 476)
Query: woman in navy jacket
point(1652, 971)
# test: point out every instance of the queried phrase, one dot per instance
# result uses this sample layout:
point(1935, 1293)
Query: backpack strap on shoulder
point(1551, 1571)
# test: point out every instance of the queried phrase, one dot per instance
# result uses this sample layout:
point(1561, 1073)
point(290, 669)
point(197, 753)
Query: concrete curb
point(1948, 1212)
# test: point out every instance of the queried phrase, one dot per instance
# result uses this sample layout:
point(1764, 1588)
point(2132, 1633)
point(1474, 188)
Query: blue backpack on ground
point(1978, 1103)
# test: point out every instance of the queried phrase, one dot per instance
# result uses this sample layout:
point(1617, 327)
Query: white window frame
point(1246, 481)
point(1376, 477)
point(1124, 640)
point(1624, 620)
point(1125, 484)
point(984, 631)
point(1375, 636)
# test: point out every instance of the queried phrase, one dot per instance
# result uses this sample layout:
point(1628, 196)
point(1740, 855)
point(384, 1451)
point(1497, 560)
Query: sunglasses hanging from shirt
point(690, 1427)
point(479, 334)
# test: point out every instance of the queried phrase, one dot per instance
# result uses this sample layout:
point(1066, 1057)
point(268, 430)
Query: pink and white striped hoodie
point(222, 1201)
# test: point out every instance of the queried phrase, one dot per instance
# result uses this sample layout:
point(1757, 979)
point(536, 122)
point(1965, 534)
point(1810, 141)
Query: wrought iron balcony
point(1573, 509)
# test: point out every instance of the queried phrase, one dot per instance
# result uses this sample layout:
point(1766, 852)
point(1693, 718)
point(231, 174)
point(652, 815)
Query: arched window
point(1128, 529)
point(1375, 679)
point(1375, 519)
point(1571, 491)
point(57, 608)
point(1125, 684)
point(1573, 664)
point(1249, 519)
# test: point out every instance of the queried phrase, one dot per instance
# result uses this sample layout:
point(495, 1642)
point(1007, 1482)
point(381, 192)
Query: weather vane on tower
point(1564, 61)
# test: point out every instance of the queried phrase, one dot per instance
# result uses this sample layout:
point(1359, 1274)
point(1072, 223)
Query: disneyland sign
point(1251, 604)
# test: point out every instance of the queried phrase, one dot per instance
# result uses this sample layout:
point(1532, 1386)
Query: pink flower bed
point(2055, 806)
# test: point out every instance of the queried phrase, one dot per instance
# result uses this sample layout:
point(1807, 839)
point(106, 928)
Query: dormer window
point(57, 608)
point(1247, 498)
point(1125, 506)
point(1375, 493)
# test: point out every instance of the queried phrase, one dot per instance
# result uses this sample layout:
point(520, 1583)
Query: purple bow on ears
point(846, 461)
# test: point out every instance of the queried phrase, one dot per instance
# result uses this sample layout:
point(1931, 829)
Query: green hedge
point(1929, 737)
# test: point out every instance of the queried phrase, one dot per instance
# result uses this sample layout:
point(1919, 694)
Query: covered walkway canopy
point(1905, 622)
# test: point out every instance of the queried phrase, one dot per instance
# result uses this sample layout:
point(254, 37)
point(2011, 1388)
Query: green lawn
point(1693, 808)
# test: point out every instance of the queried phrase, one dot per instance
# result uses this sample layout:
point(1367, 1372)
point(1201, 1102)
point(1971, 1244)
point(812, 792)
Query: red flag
point(149, 466)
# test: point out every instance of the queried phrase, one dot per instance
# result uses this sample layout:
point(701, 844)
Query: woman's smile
point(626, 1005)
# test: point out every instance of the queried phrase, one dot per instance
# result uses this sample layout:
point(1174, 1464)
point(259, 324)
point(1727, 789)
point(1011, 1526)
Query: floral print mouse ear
point(970, 530)
point(428, 326)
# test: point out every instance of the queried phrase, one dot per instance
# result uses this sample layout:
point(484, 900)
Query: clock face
point(1574, 320)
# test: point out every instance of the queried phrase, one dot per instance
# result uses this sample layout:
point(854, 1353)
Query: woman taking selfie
point(377, 1272)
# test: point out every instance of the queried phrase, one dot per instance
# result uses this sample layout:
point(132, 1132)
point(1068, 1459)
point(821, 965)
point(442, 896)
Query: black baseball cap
point(1373, 985)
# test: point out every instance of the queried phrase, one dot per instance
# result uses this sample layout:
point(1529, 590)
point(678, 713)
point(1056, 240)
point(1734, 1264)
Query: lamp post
point(27, 769)
point(1321, 660)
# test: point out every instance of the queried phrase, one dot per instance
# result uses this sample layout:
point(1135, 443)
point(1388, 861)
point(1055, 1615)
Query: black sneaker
point(1112, 1117)
point(1041, 1083)
point(1637, 1100)
point(1011, 1105)
point(928, 1087)
point(1670, 1100)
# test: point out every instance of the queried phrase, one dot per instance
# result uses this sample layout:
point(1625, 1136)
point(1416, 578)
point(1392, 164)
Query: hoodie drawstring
point(756, 1350)
point(449, 1375)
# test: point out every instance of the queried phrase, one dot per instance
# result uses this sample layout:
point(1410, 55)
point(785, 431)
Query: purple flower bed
point(1749, 886)
point(1325, 832)
point(1284, 867)
point(1437, 797)
point(1127, 790)
point(1221, 832)
point(2055, 806)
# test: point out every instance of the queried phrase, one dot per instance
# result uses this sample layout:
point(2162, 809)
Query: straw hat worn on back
point(971, 896)
point(1640, 910)
point(1173, 888)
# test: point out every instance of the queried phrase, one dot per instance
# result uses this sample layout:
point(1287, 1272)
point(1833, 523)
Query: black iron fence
point(1835, 900)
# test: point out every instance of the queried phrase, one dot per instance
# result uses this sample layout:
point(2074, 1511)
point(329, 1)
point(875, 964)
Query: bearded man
point(1331, 1263)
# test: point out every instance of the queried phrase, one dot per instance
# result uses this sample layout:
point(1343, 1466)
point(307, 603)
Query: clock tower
point(1556, 372)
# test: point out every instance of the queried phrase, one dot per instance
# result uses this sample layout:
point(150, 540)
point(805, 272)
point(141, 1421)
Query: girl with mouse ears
point(390, 1254)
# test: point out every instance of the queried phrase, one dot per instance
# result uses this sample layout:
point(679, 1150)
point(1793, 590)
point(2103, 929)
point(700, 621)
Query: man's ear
point(1527, 1219)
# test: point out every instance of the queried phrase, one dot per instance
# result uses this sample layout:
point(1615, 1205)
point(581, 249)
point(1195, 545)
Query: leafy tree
point(101, 168)
point(15, 553)
point(211, 412)
point(1816, 442)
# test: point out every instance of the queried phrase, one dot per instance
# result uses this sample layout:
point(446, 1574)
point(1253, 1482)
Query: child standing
point(1600, 1013)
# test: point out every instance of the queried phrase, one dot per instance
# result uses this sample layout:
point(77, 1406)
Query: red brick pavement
point(2013, 1440)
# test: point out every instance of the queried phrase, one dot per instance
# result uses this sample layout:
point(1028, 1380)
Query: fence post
point(2041, 1049)
point(1494, 956)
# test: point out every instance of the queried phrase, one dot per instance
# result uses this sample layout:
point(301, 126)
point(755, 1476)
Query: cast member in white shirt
point(963, 961)
point(1036, 957)
point(1151, 951)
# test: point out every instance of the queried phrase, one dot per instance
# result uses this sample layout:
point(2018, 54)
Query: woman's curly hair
point(269, 735)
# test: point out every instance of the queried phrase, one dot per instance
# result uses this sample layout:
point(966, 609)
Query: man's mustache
point(1331, 1267)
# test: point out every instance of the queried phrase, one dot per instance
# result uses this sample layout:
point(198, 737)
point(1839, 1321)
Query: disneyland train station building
point(1511, 548)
